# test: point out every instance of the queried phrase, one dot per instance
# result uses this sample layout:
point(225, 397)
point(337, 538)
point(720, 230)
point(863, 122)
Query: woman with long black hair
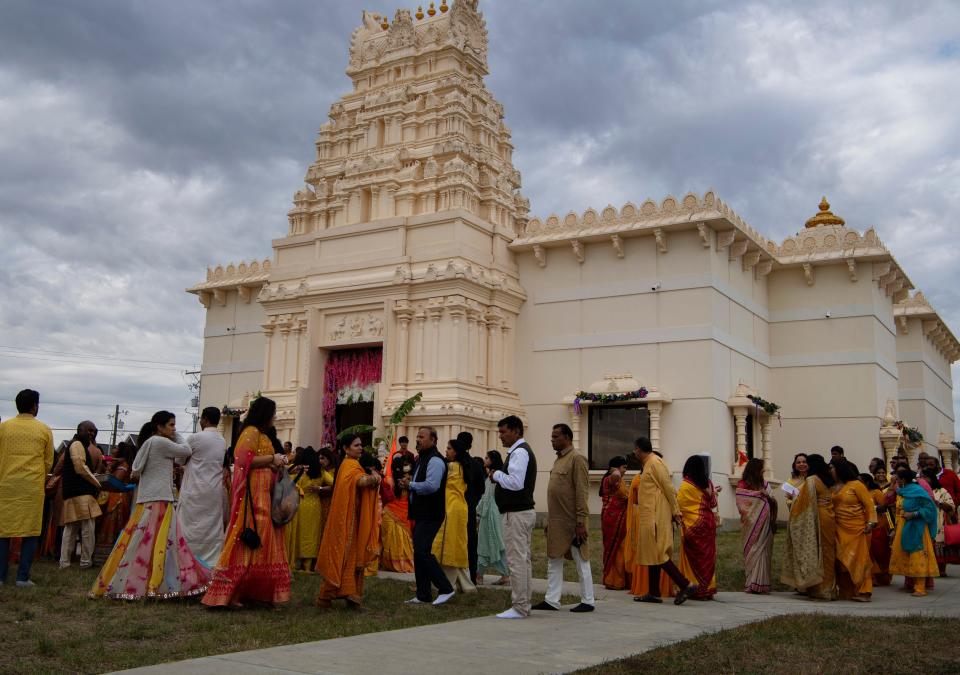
point(697, 499)
point(253, 565)
point(450, 544)
point(151, 558)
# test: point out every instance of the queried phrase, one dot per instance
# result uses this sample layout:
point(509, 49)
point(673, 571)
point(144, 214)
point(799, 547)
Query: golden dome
point(432, 10)
point(419, 12)
point(825, 217)
point(443, 6)
point(384, 23)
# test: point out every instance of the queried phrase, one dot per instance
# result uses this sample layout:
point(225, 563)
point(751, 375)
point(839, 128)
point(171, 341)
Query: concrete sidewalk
point(550, 642)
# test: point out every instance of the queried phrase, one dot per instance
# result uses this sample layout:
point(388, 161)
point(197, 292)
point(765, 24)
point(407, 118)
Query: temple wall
point(926, 386)
point(688, 322)
point(833, 358)
point(232, 351)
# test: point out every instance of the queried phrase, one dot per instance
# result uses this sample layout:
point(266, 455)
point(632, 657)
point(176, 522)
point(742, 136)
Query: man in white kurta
point(201, 492)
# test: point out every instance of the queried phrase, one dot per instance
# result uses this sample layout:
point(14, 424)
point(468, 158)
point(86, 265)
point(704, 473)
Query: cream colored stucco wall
point(926, 386)
point(232, 351)
point(832, 374)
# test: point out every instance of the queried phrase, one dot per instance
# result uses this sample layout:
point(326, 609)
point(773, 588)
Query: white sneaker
point(414, 601)
point(511, 614)
point(442, 598)
point(25, 584)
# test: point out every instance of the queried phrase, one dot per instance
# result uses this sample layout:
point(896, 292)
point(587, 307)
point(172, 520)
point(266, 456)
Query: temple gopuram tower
point(396, 252)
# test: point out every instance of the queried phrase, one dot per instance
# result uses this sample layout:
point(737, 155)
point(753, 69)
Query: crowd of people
point(174, 518)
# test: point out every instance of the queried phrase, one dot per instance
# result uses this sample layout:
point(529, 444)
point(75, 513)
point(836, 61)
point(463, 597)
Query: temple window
point(613, 430)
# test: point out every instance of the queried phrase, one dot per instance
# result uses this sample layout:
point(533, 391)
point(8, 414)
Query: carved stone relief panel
point(353, 326)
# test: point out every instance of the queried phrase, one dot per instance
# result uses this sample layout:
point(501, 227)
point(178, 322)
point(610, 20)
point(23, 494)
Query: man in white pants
point(201, 491)
point(567, 517)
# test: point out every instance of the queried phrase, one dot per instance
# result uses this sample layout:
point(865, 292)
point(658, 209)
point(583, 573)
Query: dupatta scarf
point(916, 500)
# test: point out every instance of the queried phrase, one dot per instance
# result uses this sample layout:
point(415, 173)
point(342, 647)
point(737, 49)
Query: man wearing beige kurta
point(657, 510)
point(567, 516)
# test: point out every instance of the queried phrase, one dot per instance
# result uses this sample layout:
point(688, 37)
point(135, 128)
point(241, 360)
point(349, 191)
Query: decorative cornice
point(244, 278)
point(934, 328)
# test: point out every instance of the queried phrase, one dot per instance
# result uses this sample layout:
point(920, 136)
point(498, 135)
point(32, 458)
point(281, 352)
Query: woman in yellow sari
point(396, 533)
point(450, 544)
point(856, 516)
point(351, 538)
point(639, 575)
point(697, 498)
point(258, 573)
point(912, 553)
point(303, 532)
point(811, 551)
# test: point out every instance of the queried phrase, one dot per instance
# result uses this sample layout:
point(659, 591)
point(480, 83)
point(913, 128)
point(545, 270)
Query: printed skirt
point(151, 559)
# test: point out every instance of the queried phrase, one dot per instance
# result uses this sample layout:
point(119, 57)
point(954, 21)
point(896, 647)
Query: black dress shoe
point(684, 593)
point(582, 607)
point(649, 598)
point(543, 604)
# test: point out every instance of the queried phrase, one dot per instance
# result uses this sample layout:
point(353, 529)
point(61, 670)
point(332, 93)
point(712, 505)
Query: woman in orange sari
point(885, 499)
point(638, 574)
point(258, 573)
point(613, 522)
point(116, 507)
point(697, 498)
point(351, 538)
point(856, 516)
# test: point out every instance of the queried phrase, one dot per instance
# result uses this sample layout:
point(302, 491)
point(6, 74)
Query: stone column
point(482, 348)
point(420, 338)
point(655, 408)
point(494, 343)
point(473, 315)
point(285, 336)
point(268, 329)
point(434, 313)
point(506, 356)
point(740, 449)
point(294, 374)
point(766, 445)
point(457, 309)
point(404, 315)
point(374, 203)
point(304, 370)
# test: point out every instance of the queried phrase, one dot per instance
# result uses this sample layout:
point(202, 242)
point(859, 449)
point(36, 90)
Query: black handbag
point(249, 536)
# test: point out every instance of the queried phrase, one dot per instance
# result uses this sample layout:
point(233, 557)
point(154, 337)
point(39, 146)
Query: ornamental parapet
point(706, 214)
point(933, 326)
point(247, 278)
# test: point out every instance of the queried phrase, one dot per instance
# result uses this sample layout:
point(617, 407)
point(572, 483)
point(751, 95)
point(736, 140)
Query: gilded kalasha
point(410, 236)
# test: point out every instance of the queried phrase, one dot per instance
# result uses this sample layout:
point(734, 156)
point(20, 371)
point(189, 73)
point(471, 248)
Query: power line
point(91, 363)
point(89, 355)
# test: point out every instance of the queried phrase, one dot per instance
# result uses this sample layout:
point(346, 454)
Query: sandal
point(649, 598)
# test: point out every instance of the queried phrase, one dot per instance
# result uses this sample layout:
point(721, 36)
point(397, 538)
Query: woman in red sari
point(697, 498)
point(259, 574)
point(613, 521)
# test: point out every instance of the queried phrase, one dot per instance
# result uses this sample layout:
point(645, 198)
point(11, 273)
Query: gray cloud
point(140, 142)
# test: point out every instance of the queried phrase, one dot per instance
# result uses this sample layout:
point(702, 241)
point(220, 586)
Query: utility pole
point(195, 399)
point(117, 423)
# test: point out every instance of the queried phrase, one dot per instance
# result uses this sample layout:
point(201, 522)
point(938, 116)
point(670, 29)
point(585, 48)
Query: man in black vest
point(427, 510)
point(80, 490)
point(514, 495)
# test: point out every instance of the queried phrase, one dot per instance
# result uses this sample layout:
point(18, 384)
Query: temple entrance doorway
point(350, 381)
point(357, 412)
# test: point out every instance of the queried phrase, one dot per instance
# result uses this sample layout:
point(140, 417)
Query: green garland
point(607, 398)
point(768, 406)
point(912, 434)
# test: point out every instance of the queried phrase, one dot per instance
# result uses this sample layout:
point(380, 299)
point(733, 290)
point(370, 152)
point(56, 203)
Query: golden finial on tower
point(384, 24)
point(431, 11)
point(443, 6)
point(419, 12)
point(825, 216)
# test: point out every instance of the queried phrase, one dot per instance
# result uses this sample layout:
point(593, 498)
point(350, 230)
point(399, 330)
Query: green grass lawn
point(794, 645)
point(730, 573)
point(55, 628)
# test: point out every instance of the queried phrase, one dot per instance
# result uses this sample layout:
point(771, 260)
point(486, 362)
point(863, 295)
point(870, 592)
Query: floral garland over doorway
point(348, 369)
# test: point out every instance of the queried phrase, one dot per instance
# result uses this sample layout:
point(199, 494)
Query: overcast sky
point(141, 141)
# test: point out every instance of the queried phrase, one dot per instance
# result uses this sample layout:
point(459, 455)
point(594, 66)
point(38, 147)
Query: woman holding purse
point(253, 565)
